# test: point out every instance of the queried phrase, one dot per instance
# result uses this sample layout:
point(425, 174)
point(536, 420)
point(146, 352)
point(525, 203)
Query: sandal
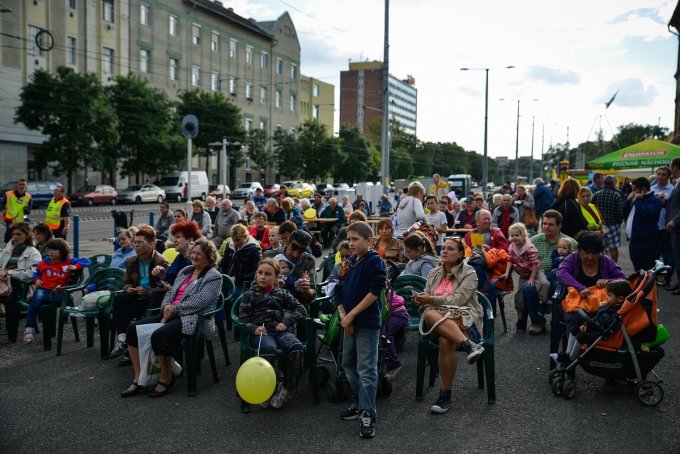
point(166, 389)
point(134, 391)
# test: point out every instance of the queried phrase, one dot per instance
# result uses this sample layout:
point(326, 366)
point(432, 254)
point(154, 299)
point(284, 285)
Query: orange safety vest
point(53, 213)
point(14, 206)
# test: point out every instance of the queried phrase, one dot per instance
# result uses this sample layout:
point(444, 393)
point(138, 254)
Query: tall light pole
point(531, 165)
point(485, 161)
point(517, 147)
point(385, 137)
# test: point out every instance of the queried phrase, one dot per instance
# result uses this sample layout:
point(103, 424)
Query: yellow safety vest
point(53, 213)
point(14, 207)
point(593, 223)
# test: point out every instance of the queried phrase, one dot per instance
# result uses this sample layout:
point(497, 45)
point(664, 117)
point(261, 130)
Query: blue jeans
point(532, 303)
point(360, 361)
point(284, 340)
point(40, 297)
point(481, 277)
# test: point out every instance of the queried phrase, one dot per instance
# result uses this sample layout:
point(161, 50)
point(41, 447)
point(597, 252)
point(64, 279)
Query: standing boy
point(437, 219)
point(361, 283)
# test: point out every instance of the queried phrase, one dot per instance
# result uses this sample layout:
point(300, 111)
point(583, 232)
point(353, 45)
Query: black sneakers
point(473, 350)
point(118, 349)
point(367, 422)
point(443, 403)
point(350, 414)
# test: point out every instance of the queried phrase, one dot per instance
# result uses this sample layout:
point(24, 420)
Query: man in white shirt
point(437, 219)
point(663, 189)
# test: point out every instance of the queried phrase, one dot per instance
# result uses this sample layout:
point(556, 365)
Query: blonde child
point(274, 238)
point(533, 286)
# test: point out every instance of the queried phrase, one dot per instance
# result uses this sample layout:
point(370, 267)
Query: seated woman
point(241, 256)
point(202, 218)
point(124, 251)
point(450, 308)
point(386, 245)
point(248, 210)
point(420, 252)
point(184, 233)
point(384, 206)
point(491, 238)
point(19, 259)
point(179, 215)
point(260, 230)
point(196, 290)
point(270, 314)
point(585, 268)
point(42, 235)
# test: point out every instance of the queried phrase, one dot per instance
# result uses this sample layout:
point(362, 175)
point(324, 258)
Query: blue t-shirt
point(363, 276)
point(144, 276)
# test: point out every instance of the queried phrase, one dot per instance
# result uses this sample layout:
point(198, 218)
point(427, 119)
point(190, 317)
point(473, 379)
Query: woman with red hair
point(184, 234)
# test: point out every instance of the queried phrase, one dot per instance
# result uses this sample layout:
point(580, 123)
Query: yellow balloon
point(255, 380)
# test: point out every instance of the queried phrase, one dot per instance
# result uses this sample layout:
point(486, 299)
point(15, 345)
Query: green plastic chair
point(309, 345)
point(325, 268)
point(193, 349)
point(428, 352)
point(404, 285)
point(12, 315)
point(104, 279)
point(99, 261)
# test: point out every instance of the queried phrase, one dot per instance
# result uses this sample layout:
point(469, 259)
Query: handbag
point(529, 219)
point(149, 367)
point(5, 283)
point(101, 299)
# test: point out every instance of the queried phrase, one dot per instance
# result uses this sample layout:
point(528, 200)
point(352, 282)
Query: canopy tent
point(646, 154)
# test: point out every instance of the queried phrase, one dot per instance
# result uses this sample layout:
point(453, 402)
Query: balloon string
point(260, 342)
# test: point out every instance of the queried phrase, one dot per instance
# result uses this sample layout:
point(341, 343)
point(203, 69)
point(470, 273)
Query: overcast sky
point(570, 55)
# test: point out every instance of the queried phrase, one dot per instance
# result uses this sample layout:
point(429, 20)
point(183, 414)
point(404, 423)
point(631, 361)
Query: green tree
point(72, 110)
point(633, 133)
point(320, 152)
point(149, 138)
point(287, 154)
point(356, 160)
point(217, 117)
point(258, 150)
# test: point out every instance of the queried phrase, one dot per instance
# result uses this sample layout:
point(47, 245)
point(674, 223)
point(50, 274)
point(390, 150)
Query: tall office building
point(361, 89)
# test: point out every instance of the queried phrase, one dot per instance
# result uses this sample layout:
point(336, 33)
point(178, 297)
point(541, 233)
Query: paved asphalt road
point(71, 404)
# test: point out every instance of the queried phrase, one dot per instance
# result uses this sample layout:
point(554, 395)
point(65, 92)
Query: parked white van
point(175, 186)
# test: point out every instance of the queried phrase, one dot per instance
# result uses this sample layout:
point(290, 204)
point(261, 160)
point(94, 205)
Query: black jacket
point(241, 264)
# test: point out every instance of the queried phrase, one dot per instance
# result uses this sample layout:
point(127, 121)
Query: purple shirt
point(571, 265)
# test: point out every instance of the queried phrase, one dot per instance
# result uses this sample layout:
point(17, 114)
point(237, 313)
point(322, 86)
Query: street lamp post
point(517, 147)
point(531, 165)
point(485, 161)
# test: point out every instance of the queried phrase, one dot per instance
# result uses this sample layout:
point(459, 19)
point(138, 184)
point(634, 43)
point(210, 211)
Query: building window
point(293, 102)
point(174, 68)
point(72, 56)
point(215, 42)
point(248, 124)
point(263, 95)
point(315, 89)
point(263, 125)
point(315, 112)
point(249, 55)
point(196, 34)
point(232, 86)
point(173, 25)
point(264, 58)
point(71, 4)
point(278, 99)
point(108, 60)
point(195, 75)
point(279, 66)
point(215, 81)
point(249, 91)
point(143, 61)
point(107, 11)
point(144, 13)
point(293, 72)
point(233, 45)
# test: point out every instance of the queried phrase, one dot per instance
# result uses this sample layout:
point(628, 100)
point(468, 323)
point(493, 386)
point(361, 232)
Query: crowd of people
point(551, 238)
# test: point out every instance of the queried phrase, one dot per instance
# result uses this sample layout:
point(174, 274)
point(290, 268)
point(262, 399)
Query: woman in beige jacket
point(450, 308)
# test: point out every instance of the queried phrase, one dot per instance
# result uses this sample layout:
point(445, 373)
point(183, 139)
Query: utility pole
point(531, 165)
point(517, 146)
point(385, 138)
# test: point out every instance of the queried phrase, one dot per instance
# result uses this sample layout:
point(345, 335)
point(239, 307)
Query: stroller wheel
point(321, 375)
point(557, 386)
point(649, 393)
point(384, 386)
point(569, 389)
point(552, 376)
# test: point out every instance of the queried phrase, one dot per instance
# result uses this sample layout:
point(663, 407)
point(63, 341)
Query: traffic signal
point(190, 126)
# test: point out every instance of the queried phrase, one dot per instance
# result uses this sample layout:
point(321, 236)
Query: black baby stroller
point(338, 389)
point(627, 348)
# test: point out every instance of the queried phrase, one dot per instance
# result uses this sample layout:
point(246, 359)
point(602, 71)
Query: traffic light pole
point(189, 208)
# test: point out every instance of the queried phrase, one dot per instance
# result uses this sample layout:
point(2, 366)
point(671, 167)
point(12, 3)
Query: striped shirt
point(545, 248)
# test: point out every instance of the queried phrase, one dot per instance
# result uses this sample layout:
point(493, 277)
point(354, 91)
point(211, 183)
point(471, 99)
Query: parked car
point(300, 190)
point(272, 190)
point(325, 189)
point(141, 193)
point(246, 190)
point(290, 183)
point(221, 191)
point(94, 195)
point(41, 191)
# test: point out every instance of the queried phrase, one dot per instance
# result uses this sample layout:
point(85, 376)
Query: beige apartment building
point(174, 44)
